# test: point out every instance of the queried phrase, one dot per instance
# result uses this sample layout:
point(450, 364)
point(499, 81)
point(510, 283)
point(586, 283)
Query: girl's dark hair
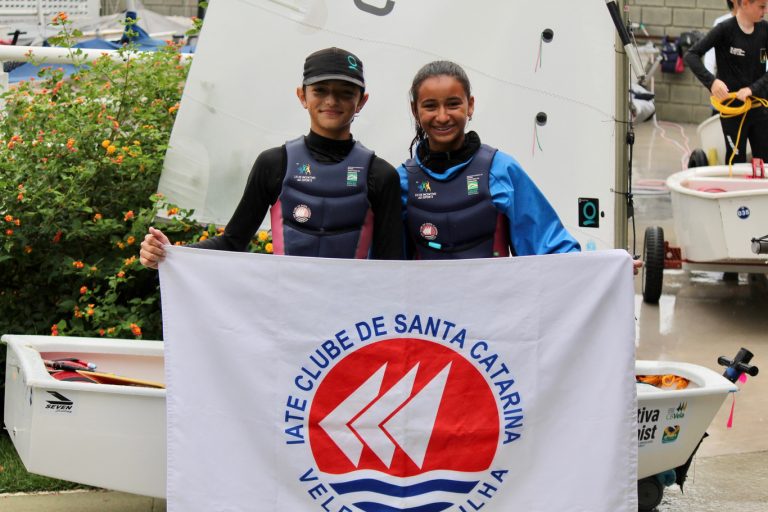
point(730, 4)
point(434, 68)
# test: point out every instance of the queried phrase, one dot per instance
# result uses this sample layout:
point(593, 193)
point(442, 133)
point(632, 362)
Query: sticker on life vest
point(302, 213)
point(352, 173)
point(303, 173)
point(424, 190)
point(473, 185)
point(763, 56)
point(428, 231)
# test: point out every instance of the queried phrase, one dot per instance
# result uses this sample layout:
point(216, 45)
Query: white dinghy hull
point(103, 435)
point(716, 217)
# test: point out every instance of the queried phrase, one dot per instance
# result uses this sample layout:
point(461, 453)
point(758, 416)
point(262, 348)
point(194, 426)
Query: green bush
point(80, 159)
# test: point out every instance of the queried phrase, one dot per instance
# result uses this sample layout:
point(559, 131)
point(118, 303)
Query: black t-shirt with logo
point(741, 58)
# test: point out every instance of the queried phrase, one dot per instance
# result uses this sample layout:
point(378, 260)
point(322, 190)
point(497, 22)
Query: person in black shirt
point(329, 195)
point(741, 52)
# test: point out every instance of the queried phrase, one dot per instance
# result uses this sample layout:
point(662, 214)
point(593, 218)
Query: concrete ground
point(700, 316)
point(80, 501)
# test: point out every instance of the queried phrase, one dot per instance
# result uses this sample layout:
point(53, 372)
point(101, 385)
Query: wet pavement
point(700, 317)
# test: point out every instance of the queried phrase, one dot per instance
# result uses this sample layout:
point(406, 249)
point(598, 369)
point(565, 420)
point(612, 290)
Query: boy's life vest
point(323, 209)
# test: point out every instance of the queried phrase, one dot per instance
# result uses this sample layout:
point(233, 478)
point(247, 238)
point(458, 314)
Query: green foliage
point(79, 159)
point(197, 23)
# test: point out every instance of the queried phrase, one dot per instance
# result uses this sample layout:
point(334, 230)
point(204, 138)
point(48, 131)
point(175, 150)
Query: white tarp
point(318, 384)
point(240, 98)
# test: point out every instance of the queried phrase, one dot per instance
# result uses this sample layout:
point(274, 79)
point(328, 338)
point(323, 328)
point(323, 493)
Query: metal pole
point(622, 158)
point(55, 55)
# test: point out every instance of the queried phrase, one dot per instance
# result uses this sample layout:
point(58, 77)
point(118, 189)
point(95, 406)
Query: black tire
point(698, 158)
point(649, 494)
point(653, 264)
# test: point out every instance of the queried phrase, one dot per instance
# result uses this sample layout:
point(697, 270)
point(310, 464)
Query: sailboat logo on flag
point(406, 424)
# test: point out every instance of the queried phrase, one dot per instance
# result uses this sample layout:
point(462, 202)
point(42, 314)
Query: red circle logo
point(404, 407)
point(428, 231)
point(302, 213)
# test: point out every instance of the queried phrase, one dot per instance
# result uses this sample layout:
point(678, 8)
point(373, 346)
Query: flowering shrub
point(80, 159)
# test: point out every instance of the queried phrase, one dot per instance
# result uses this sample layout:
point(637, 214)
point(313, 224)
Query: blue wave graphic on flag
point(403, 491)
point(378, 507)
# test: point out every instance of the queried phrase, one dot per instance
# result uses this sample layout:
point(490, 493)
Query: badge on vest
point(763, 55)
point(428, 231)
point(352, 174)
point(303, 173)
point(302, 213)
point(473, 184)
point(424, 190)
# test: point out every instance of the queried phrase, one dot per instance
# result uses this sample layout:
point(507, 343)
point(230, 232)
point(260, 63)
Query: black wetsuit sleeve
point(695, 55)
point(261, 191)
point(384, 196)
point(760, 85)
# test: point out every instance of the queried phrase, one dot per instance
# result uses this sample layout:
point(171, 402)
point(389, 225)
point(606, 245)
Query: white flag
point(303, 384)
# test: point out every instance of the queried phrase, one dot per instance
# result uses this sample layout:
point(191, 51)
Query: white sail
point(523, 58)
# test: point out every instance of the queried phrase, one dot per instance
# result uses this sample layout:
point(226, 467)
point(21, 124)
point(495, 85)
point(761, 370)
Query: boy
point(329, 195)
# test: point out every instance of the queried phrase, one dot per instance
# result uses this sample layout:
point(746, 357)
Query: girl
point(741, 52)
point(462, 198)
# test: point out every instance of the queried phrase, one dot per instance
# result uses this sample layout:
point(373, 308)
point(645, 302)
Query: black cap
point(333, 64)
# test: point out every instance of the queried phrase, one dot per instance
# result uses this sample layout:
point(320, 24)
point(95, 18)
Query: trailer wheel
point(649, 493)
point(653, 264)
point(698, 158)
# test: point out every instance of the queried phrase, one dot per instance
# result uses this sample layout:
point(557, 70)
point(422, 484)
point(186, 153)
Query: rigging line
point(726, 111)
point(683, 153)
point(538, 59)
point(536, 141)
point(686, 140)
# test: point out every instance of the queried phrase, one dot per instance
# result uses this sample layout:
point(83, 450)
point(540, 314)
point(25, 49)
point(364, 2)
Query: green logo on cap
point(352, 62)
